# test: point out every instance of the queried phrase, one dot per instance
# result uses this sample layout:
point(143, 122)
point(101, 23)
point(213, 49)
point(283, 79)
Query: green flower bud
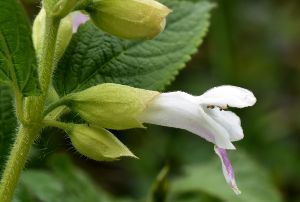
point(111, 105)
point(130, 19)
point(97, 143)
point(38, 30)
point(63, 37)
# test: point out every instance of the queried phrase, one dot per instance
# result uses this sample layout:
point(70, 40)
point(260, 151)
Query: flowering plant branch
point(112, 106)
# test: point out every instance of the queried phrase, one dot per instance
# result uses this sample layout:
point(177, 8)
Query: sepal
point(112, 106)
point(97, 143)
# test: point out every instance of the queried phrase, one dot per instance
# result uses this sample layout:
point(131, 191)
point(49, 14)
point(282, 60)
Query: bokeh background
point(253, 44)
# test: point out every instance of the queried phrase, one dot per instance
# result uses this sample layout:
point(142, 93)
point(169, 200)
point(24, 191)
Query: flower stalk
point(113, 106)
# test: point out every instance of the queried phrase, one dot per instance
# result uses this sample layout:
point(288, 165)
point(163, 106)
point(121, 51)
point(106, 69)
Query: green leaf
point(253, 181)
point(44, 185)
point(63, 183)
point(17, 56)
point(8, 124)
point(95, 57)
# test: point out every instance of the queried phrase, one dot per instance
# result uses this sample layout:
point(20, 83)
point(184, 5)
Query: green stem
point(57, 113)
point(58, 103)
point(47, 59)
point(56, 124)
point(34, 107)
point(83, 4)
point(16, 162)
point(19, 106)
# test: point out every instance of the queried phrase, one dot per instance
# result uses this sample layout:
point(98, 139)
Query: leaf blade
point(8, 124)
point(207, 178)
point(17, 56)
point(95, 57)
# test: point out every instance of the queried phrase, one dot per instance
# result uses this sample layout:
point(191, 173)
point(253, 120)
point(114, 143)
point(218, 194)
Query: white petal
point(224, 96)
point(78, 18)
point(230, 121)
point(181, 110)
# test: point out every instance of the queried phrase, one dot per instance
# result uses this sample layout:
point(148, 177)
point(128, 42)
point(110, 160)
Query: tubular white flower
point(181, 110)
point(204, 116)
point(200, 114)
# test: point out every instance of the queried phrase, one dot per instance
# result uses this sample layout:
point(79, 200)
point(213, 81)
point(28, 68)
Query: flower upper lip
point(226, 95)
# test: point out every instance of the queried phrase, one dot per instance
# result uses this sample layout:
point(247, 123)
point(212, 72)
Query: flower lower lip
point(227, 169)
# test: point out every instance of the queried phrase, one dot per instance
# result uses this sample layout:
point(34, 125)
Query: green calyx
point(130, 19)
point(111, 105)
point(97, 143)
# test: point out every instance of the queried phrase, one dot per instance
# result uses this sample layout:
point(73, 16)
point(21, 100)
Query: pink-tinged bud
point(78, 19)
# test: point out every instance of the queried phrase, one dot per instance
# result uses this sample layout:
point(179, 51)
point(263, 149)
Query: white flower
point(119, 107)
point(205, 116)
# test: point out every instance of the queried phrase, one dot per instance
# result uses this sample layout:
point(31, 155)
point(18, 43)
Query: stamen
point(220, 107)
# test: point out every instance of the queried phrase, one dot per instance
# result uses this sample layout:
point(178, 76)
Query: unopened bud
point(38, 30)
point(97, 143)
point(111, 106)
point(130, 19)
point(64, 34)
point(78, 19)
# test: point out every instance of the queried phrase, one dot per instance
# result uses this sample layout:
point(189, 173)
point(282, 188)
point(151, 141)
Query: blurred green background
point(253, 44)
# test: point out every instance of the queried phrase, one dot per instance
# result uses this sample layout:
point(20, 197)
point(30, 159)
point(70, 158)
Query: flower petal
point(78, 18)
point(224, 96)
point(181, 110)
point(230, 121)
point(227, 169)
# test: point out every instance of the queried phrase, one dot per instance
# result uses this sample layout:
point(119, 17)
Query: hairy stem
point(16, 162)
point(19, 106)
point(47, 59)
point(34, 107)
